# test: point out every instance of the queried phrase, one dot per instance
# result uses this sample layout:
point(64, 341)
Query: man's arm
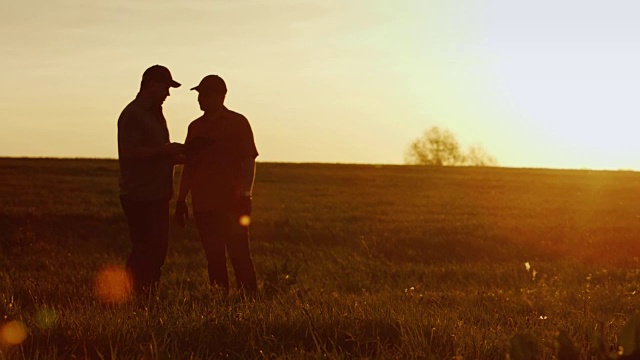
point(248, 168)
point(181, 213)
point(248, 153)
point(130, 140)
point(248, 171)
point(185, 182)
point(243, 202)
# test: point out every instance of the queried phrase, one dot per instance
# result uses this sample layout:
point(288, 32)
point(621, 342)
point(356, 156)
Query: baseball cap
point(160, 73)
point(211, 84)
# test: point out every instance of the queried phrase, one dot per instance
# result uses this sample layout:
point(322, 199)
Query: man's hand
point(173, 149)
point(182, 213)
point(195, 146)
point(179, 159)
point(243, 210)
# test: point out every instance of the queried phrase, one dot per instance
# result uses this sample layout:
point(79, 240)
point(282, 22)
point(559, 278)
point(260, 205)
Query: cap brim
point(174, 84)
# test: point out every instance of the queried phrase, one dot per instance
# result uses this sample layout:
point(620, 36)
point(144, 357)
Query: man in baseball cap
point(211, 84)
point(146, 158)
point(220, 179)
point(161, 74)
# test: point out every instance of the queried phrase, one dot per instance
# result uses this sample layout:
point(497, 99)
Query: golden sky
point(538, 84)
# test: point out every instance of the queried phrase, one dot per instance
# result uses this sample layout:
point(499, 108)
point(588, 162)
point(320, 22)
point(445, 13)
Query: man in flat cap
point(146, 158)
point(220, 178)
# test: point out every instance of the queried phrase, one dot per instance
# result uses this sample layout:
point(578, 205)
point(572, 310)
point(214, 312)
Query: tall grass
point(352, 260)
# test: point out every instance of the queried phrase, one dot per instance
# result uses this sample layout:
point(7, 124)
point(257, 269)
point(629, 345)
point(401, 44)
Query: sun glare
point(13, 333)
point(113, 285)
point(245, 220)
point(583, 125)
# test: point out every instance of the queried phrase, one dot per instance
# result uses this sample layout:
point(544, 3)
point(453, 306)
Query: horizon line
point(342, 163)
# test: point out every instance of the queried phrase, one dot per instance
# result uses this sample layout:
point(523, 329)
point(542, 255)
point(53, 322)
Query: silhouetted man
point(146, 159)
point(220, 178)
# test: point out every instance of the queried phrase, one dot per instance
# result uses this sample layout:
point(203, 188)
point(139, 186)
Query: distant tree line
point(439, 147)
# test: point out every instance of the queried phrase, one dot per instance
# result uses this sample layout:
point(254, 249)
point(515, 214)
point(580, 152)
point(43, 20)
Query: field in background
point(352, 260)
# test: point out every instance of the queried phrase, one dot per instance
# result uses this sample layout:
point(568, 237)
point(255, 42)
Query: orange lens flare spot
point(113, 285)
point(245, 220)
point(13, 333)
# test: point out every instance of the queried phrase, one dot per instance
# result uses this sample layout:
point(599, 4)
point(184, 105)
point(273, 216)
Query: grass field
point(352, 261)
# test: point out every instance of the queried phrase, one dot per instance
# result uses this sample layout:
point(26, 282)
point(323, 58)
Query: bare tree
point(440, 147)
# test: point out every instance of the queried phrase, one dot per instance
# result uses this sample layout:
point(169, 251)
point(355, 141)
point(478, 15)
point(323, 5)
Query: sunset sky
point(536, 83)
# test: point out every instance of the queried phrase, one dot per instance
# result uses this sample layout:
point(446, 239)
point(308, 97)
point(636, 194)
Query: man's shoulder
point(132, 109)
point(238, 120)
point(129, 113)
point(195, 123)
point(232, 115)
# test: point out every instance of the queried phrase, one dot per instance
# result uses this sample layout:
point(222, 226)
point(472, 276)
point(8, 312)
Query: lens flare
point(13, 333)
point(245, 220)
point(113, 285)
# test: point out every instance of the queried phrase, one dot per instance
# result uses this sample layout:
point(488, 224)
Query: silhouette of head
point(156, 82)
point(212, 91)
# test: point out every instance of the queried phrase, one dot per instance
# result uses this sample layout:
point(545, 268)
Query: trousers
point(220, 232)
point(149, 233)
